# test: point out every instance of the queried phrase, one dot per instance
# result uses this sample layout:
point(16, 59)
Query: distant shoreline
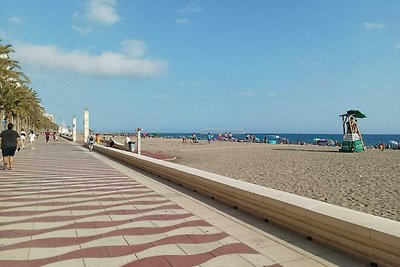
point(370, 140)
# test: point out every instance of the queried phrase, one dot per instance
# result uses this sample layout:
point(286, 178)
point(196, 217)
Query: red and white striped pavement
point(63, 206)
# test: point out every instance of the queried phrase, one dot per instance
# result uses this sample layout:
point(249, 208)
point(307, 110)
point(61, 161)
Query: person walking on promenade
point(55, 136)
point(47, 134)
point(32, 137)
point(22, 138)
point(91, 142)
point(10, 142)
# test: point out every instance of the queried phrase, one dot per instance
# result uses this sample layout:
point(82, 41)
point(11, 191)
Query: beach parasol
point(355, 113)
point(394, 143)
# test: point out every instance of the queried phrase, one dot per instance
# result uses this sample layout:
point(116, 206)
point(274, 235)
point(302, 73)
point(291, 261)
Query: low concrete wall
point(66, 137)
point(362, 235)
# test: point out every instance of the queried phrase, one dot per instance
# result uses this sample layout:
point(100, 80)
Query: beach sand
point(367, 182)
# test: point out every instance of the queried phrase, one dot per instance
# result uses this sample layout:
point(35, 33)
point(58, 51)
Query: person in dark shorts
point(47, 134)
point(10, 142)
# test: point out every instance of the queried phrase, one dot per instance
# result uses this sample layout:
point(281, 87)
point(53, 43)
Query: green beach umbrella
point(356, 113)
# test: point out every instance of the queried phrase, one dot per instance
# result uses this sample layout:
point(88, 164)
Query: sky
point(266, 66)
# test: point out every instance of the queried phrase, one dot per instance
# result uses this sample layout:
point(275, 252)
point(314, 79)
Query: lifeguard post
point(352, 138)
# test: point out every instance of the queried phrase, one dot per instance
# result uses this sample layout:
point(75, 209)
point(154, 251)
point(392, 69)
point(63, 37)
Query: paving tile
point(280, 253)
point(222, 222)
point(209, 229)
point(71, 263)
point(256, 240)
point(11, 241)
point(15, 254)
point(237, 230)
point(191, 249)
point(185, 230)
point(309, 248)
point(19, 226)
point(143, 239)
point(47, 225)
point(58, 234)
point(257, 259)
point(162, 223)
point(302, 262)
point(100, 218)
point(171, 249)
point(40, 253)
point(107, 241)
point(227, 261)
point(333, 259)
point(108, 262)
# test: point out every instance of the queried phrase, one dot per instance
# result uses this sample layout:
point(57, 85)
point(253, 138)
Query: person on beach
point(10, 142)
point(183, 139)
point(194, 138)
point(32, 137)
point(209, 138)
point(112, 143)
point(22, 138)
point(47, 135)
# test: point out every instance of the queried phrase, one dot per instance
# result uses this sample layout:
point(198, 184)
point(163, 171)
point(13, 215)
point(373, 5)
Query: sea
point(369, 139)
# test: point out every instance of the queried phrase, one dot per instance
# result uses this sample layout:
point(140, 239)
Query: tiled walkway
point(65, 206)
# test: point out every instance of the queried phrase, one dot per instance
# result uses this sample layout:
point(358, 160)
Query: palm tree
point(18, 102)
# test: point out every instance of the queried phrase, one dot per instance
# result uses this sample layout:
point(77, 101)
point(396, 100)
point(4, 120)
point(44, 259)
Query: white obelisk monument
point(86, 125)
point(139, 141)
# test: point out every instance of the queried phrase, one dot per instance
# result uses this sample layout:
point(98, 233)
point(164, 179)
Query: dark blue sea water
point(369, 139)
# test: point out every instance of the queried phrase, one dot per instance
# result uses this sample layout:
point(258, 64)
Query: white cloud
point(15, 20)
point(271, 93)
point(83, 31)
point(374, 25)
point(102, 11)
point(190, 8)
point(397, 45)
point(248, 94)
point(107, 64)
point(189, 84)
point(134, 48)
point(182, 21)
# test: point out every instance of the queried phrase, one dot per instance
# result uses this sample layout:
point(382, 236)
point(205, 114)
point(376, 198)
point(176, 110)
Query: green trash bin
point(347, 146)
point(358, 146)
point(352, 143)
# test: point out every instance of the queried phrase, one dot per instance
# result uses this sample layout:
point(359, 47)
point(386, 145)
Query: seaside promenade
point(66, 206)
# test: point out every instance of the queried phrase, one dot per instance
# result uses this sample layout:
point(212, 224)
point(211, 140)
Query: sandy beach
point(367, 182)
